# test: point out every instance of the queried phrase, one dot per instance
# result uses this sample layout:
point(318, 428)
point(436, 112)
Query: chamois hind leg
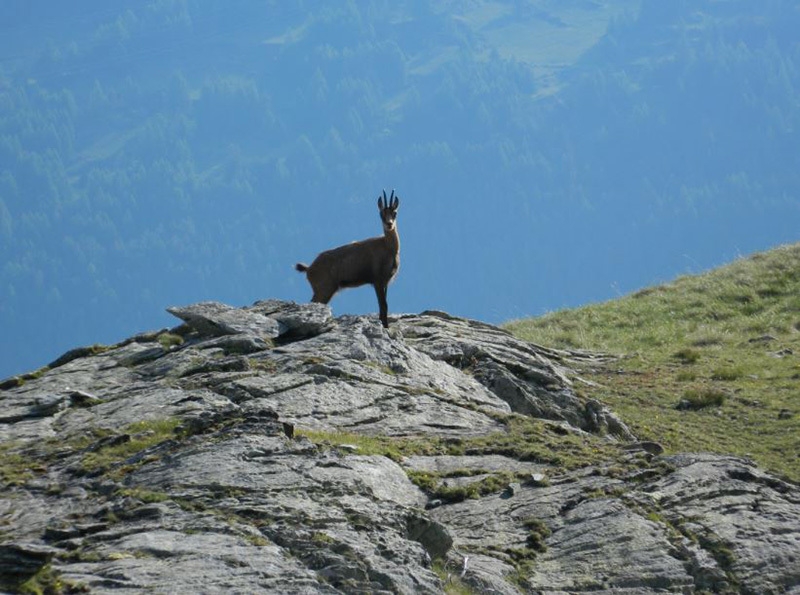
point(383, 305)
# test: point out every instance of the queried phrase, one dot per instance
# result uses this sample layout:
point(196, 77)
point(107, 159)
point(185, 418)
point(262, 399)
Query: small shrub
point(169, 340)
point(257, 540)
point(321, 538)
point(707, 341)
point(695, 399)
point(727, 374)
point(687, 355)
point(423, 480)
point(538, 533)
point(655, 517)
point(523, 560)
point(47, 580)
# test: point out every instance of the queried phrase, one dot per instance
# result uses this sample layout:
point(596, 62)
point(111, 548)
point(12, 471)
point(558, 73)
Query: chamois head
point(388, 211)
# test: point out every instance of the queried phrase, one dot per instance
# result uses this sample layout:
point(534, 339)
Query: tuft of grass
point(136, 438)
point(169, 340)
point(723, 327)
point(524, 561)
point(145, 495)
point(432, 484)
point(727, 373)
point(701, 398)
point(17, 381)
point(538, 532)
point(322, 538)
point(257, 540)
point(363, 444)
point(15, 468)
point(453, 585)
point(425, 480)
point(687, 355)
point(47, 581)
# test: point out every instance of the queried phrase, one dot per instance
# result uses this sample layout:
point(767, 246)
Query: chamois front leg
point(383, 306)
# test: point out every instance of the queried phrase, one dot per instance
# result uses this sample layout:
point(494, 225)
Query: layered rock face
point(275, 448)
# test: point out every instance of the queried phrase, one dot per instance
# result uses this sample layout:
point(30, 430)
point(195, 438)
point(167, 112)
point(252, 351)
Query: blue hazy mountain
point(547, 153)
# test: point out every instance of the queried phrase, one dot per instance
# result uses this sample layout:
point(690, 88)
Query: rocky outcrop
point(276, 449)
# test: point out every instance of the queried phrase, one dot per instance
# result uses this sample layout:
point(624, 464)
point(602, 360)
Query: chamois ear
point(382, 202)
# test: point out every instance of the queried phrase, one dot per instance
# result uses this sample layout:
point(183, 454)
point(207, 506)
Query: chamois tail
point(300, 267)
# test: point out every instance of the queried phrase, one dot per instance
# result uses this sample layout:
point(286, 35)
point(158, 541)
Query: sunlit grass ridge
point(728, 340)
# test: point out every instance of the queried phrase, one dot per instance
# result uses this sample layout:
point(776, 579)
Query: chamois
point(374, 261)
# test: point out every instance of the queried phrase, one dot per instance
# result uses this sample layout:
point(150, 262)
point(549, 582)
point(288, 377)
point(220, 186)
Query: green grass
point(140, 436)
point(143, 494)
point(727, 340)
point(364, 444)
point(450, 577)
point(169, 340)
point(493, 483)
point(702, 398)
point(538, 532)
point(16, 468)
point(523, 438)
point(16, 381)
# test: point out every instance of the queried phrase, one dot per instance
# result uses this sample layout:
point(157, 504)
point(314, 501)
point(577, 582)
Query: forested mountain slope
point(178, 150)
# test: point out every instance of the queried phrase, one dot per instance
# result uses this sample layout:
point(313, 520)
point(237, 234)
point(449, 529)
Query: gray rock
point(216, 319)
point(41, 405)
point(20, 561)
point(79, 398)
point(538, 479)
point(360, 378)
point(238, 344)
point(517, 372)
point(449, 464)
point(134, 468)
point(740, 515)
point(298, 320)
point(433, 536)
point(629, 542)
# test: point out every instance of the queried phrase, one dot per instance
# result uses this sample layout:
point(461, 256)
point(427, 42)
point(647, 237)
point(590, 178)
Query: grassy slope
point(731, 336)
